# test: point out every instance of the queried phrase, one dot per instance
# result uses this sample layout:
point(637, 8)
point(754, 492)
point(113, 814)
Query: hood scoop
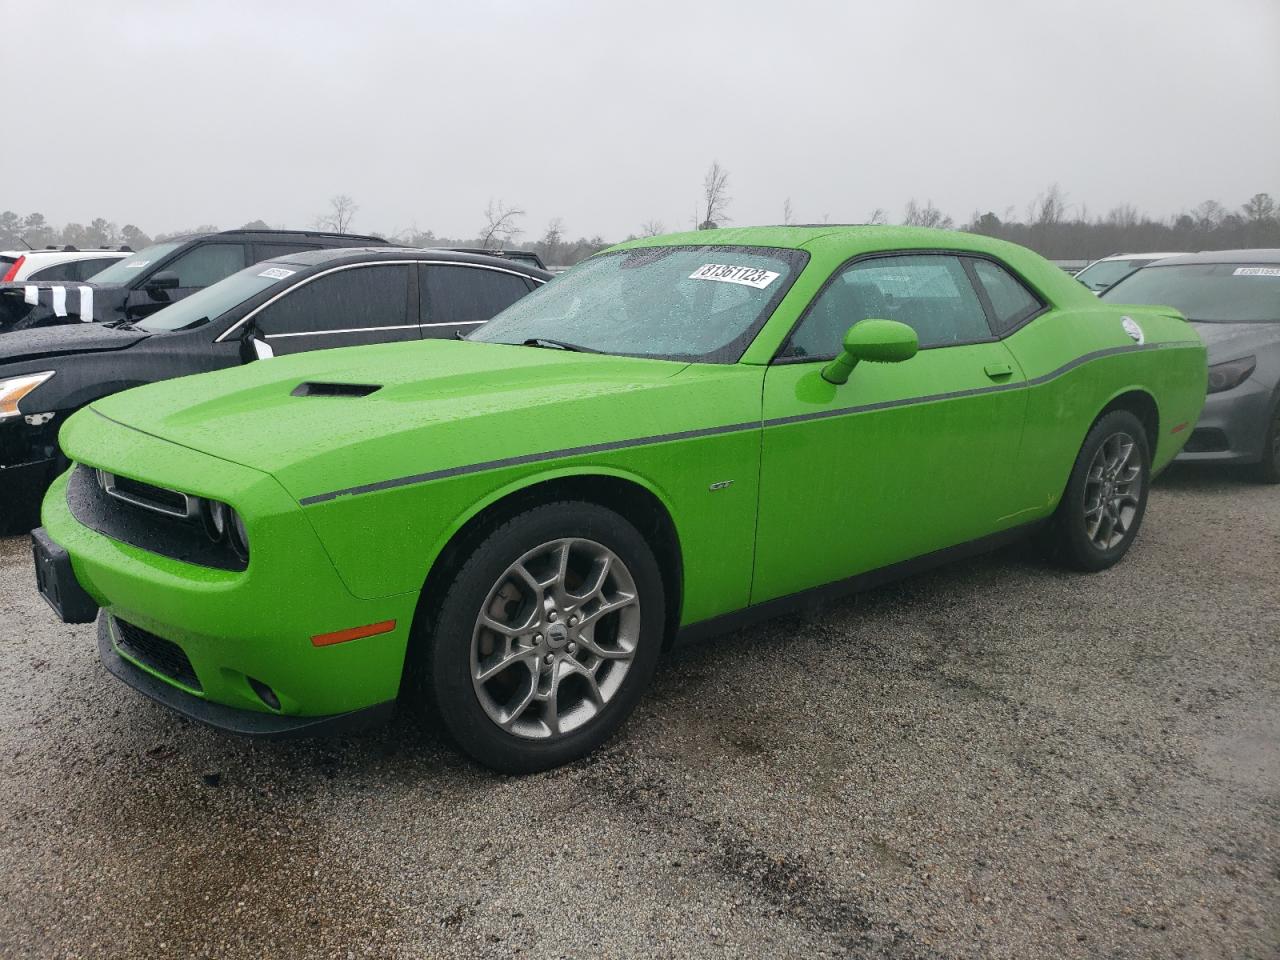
point(311, 388)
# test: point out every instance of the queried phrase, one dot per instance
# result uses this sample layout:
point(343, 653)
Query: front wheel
point(1106, 495)
point(547, 637)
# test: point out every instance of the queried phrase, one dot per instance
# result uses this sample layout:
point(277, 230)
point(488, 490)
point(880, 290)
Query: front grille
point(145, 527)
point(1207, 440)
point(161, 655)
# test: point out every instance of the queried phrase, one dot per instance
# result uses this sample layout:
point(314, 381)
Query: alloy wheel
point(1112, 491)
point(554, 638)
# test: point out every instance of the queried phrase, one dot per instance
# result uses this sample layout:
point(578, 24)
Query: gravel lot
point(994, 760)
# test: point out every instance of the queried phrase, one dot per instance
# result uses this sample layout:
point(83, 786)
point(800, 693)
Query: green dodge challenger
point(677, 435)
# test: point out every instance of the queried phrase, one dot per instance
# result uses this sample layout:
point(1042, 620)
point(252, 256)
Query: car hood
point(437, 405)
point(19, 346)
point(1227, 341)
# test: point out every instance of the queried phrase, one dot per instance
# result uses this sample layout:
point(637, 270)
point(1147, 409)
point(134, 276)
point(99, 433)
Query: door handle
point(998, 371)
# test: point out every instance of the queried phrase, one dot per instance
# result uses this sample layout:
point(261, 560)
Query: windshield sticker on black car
point(277, 273)
point(1256, 272)
point(59, 301)
point(726, 273)
point(1133, 330)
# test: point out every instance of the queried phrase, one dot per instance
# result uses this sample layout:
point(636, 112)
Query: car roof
point(59, 252)
point(333, 256)
point(1259, 255)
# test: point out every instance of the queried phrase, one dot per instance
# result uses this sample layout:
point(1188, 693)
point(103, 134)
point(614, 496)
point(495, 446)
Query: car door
point(346, 306)
point(196, 268)
point(458, 297)
point(905, 458)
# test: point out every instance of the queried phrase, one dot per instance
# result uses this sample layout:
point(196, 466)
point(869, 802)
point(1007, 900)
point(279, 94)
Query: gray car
point(1233, 299)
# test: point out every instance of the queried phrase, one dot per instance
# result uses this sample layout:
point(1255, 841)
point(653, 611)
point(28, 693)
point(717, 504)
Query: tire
point(1100, 512)
point(533, 713)
point(1268, 470)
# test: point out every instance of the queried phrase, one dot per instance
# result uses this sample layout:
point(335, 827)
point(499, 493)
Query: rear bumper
point(1232, 426)
point(246, 723)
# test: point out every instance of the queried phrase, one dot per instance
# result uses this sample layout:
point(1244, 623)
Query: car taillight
point(12, 272)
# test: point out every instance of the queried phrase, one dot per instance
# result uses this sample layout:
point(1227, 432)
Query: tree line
point(1049, 225)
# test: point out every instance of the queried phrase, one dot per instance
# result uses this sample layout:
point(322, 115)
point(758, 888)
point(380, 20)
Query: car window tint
point(352, 299)
point(1011, 302)
point(87, 268)
point(929, 292)
point(57, 271)
point(467, 295)
point(207, 264)
point(266, 251)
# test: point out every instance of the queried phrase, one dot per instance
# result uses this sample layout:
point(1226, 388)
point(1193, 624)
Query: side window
point(1011, 302)
point(465, 295)
point(87, 268)
point(207, 264)
point(58, 271)
point(929, 292)
point(353, 299)
point(266, 251)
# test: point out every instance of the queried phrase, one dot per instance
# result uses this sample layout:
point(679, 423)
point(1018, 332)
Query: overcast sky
point(170, 115)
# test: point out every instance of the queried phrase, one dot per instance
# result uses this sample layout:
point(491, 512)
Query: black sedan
point(303, 301)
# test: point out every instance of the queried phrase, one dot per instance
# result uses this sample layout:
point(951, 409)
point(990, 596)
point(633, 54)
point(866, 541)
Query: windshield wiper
point(556, 345)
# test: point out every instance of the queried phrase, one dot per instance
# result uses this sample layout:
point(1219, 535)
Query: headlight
point(15, 388)
point(223, 525)
point(1224, 376)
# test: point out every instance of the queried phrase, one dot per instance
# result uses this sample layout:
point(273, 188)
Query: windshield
point(1208, 292)
point(213, 301)
point(1105, 273)
point(122, 271)
point(678, 303)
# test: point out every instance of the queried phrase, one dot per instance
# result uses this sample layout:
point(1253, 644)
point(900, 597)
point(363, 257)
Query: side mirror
point(253, 345)
point(262, 350)
point(164, 280)
point(876, 341)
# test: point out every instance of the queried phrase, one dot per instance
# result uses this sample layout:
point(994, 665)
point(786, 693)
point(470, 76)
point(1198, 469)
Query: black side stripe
point(731, 428)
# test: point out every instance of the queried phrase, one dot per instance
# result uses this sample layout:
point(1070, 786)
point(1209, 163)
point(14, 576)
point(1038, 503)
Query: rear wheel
point(546, 638)
point(1106, 495)
point(1268, 470)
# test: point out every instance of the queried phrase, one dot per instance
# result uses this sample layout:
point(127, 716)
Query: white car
point(1108, 271)
point(57, 263)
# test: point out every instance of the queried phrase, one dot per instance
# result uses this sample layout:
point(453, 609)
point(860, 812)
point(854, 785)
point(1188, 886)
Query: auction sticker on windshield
point(1257, 271)
point(277, 273)
point(725, 273)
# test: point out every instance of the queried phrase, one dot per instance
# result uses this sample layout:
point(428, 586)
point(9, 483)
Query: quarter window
point(1011, 302)
point(353, 299)
point(466, 295)
point(929, 292)
point(207, 264)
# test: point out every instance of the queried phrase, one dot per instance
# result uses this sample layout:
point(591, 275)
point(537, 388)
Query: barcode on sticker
point(1257, 272)
point(277, 273)
point(727, 273)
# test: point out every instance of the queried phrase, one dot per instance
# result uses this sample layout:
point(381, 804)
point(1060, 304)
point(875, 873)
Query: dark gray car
point(1233, 299)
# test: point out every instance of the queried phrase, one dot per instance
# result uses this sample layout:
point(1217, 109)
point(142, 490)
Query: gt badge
point(1133, 330)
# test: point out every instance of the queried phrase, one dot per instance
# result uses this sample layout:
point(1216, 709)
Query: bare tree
point(342, 209)
point(500, 225)
point(879, 217)
point(652, 228)
point(1258, 208)
point(552, 241)
point(715, 198)
point(1209, 214)
point(926, 216)
point(1125, 216)
point(1049, 208)
point(787, 219)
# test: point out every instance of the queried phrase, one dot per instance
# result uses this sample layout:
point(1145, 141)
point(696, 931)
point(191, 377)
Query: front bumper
point(1232, 427)
point(237, 631)
point(246, 723)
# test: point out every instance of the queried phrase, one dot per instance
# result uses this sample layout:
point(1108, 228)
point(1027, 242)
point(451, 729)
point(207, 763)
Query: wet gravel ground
point(994, 760)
